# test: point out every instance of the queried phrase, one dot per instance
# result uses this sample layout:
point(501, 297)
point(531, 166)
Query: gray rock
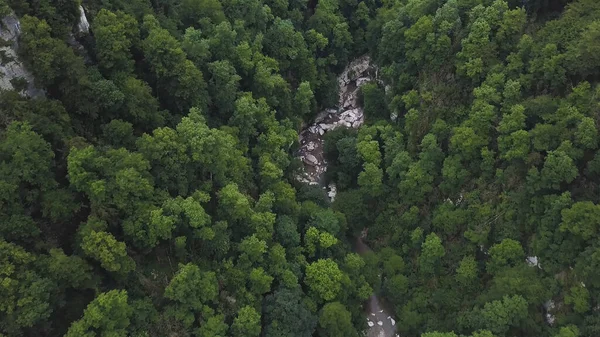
point(362, 81)
point(83, 26)
point(10, 29)
point(311, 160)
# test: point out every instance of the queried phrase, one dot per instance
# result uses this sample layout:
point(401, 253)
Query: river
point(348, 114)
point(380, 322)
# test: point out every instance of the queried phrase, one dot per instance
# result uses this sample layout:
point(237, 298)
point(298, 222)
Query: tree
point(195, 12)
point(224, 82)
point(247, 323)
point(499, 316)
point(336, 321)
point(72, 271)
point(587, 133)
point(568, 331)
point(304, 100)
point(260, 281)
point(176, 76)
point(107, 315)
point(466, 273)
point(287, 315)
point(508, 252)
point(579, 297)
point(323, 278)
point(431, 253)
point(112, 255)
point(115, 35)
point(25, 293)
point(213, 327)
point(558, 168)
point(581, 219)
point(191, 290)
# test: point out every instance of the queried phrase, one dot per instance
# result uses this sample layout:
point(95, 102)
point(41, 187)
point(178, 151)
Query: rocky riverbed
point(349, 114)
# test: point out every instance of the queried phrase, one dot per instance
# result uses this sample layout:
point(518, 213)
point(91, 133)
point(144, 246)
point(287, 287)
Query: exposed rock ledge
point(348, 113)
point(11, 68)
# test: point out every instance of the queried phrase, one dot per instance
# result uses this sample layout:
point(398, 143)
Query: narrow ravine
point(347, 114)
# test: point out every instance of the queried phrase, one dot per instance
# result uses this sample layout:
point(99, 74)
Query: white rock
point(310, 146)
point(83, 26)
point(332, 192)
point(326, 126)
point(393, 322)
point(321, 131)
point(362, 81)
point(380, 323)
point(370, 324)
point(532, 261)
point(310, 159)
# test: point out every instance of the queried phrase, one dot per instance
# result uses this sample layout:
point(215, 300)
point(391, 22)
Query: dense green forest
point(152, 190)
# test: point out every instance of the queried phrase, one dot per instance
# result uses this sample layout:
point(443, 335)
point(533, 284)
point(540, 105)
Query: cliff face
point(12, 70)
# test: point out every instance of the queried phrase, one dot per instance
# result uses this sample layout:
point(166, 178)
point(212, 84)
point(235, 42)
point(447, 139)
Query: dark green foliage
point(151, 190)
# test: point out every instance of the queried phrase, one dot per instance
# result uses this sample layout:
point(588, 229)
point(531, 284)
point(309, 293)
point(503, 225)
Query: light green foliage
point(260, 282)
point(253, 249)
point(115, 34)
point(466, 273)
point(568, 331)
point(581, 219)
point(247, 323)
point(323, 277)
point(316, 240)
point(558, 168)
point(506, 253)
point(439, 334)
point(213, 327)
point(431, 253)
point(191, 290)
point(304, 100)
point(112, 255)
point(587, 133)
point(466, 142)
point(25, 293)
point(108, 314)
point(579, 298)
point(498, 316)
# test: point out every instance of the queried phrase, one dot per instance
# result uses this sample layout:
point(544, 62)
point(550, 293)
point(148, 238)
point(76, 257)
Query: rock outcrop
point(83, 27)
point(12, 69)
point(348, 113)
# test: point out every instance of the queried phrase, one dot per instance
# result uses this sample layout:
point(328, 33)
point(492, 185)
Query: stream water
point(347, 114)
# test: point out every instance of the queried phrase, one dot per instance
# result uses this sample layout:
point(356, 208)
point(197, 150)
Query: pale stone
point(10, 29)
point(83, 26)
point(310, 159)
point(362, 81)
point(532, 261)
